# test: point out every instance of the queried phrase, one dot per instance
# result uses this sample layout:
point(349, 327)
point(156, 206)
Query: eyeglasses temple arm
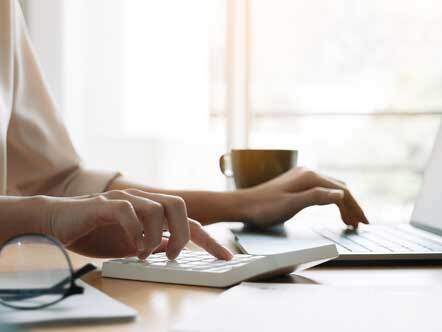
point(76, 274)
point(84, 270)
point(17, 294)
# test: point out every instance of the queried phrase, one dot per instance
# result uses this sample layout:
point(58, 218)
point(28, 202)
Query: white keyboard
point(201, 269)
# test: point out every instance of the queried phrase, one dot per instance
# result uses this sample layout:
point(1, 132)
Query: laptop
point(418, 240)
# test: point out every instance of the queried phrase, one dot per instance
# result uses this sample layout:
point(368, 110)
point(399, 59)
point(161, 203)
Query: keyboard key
point(342, 241)
point(209, 260)
point(389, 234)
point(158, 264)
point(419, 237)
point(367, 243)
point(201, 263)
point(381, 239)
point(219, 269)
point(387, 244)
point(131, 259)
point(196, 268)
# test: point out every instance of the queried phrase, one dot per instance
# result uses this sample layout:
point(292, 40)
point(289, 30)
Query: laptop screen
point(428, 208)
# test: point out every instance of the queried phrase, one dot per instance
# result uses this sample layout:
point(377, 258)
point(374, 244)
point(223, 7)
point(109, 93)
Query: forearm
point(205, 206)
point(20, 215)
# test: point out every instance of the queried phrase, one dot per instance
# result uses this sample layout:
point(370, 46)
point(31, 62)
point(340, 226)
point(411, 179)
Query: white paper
point(307, 308)
point(92, 305)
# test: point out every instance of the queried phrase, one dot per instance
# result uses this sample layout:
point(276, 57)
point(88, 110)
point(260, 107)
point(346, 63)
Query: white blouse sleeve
point(40, 156)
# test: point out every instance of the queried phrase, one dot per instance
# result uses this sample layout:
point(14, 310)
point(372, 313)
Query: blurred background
point(160, 89)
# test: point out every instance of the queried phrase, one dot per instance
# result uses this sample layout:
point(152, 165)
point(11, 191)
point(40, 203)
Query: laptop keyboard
point(381, 239)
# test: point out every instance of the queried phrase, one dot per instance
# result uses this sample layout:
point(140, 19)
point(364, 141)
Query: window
point(142, 79)
point(160, 89)
point(355, 86)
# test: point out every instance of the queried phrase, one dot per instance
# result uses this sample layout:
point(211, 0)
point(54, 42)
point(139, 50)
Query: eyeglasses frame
point(73, 289)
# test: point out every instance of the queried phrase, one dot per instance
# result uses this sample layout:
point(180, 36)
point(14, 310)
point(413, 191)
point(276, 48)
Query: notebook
point(93, 305)
point(310, 308)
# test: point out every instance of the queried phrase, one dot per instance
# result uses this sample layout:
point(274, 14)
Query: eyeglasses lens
point(34, 272)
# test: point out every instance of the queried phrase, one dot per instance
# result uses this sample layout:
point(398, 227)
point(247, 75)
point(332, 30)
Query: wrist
point(245, 205)
point(238, 206)
point(38, 212)
point(215, 206)
point(20, 215)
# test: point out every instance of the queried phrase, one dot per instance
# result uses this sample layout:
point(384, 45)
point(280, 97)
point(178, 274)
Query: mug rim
point(264, 150)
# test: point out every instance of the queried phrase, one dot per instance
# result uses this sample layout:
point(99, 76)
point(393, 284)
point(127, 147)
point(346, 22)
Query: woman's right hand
point(126, 223)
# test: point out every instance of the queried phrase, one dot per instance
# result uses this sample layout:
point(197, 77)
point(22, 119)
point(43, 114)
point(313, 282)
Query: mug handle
point(225, 164)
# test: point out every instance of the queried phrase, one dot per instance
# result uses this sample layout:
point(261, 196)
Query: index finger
point(203, 239)
point(350, 210)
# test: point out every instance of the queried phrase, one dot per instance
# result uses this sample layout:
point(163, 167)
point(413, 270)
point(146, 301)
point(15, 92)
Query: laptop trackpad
point(273, 240)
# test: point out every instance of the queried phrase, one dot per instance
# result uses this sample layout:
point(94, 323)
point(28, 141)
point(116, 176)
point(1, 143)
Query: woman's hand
point(126, 223)
point(280, 199)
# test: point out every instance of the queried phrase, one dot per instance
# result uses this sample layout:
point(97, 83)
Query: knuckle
point(114, 192)
point(195, 224)
point(176, 202)
point(134, 191)
point(119, 193)
point(156, 210)
point(303, 170)
point(310, 174)
point(100, 198)
point(123, 206)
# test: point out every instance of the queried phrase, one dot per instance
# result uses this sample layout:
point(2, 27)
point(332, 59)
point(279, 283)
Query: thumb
point(320, 196)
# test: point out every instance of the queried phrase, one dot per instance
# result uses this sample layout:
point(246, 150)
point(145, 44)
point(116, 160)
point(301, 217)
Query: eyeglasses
point(36, 272)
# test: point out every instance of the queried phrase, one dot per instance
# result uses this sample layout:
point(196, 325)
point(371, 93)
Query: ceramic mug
point(250, 167)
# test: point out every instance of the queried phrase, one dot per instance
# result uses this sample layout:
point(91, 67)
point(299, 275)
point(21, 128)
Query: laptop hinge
point(426, 228)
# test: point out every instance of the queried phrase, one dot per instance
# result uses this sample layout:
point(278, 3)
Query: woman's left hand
point(281, 198)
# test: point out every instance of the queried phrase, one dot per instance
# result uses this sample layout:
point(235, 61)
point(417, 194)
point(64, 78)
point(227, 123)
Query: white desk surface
point(159, 305)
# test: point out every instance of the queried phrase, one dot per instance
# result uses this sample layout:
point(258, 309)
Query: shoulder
point(9, 9)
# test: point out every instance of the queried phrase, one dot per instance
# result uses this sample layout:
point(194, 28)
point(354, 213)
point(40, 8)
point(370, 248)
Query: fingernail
point(227, 254)
point(337, 193)
point(144, 255)
point(172, 254)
